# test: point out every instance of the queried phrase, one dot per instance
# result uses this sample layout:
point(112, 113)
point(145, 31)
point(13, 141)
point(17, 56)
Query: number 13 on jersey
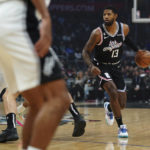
point(115, 53)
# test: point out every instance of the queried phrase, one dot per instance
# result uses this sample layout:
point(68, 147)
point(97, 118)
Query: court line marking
point(86, 141)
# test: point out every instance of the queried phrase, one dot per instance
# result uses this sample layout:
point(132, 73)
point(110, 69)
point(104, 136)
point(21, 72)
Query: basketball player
point(10, 108)
point(31, 69)
point(9, 111)
point(9, 101)
point(79, 122)
point(107, 41)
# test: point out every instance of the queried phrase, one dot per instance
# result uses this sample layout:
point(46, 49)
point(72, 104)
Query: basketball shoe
point(79, 127)
point(123, 132)
point(109, 116)
point(9, 135)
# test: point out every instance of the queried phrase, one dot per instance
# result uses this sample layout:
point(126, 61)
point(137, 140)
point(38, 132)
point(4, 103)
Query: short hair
point(114, 10)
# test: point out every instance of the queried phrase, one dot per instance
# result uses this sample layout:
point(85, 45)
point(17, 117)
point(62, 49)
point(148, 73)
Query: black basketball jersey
point(109, 50)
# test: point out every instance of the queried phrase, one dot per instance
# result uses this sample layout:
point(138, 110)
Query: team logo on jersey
point(49, 64)
point(112, 45)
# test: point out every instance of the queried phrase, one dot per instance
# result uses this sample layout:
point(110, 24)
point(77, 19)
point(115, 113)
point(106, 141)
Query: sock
point(32, 148)
point(109, 108)
point(119, 121)
point(73, 110)
point(107, 105)
point(11, 120)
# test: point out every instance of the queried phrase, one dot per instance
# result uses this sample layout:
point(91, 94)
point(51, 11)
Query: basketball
point(142, 58)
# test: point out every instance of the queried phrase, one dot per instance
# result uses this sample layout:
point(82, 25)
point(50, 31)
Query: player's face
point(109, 17)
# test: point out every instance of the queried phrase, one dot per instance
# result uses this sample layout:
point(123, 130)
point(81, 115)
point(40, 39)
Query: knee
point(112, 93)
point(57, 104)
point(122, 103)
point(64, 98)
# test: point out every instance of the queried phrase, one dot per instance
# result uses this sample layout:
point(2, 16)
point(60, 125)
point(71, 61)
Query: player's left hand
point(43, 44)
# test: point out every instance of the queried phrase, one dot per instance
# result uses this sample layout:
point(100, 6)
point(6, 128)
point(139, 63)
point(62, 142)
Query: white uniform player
point(30, 69)
point(16, 50)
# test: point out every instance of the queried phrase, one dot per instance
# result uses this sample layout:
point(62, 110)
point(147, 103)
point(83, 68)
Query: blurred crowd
point(83, 86)
point(71, 30)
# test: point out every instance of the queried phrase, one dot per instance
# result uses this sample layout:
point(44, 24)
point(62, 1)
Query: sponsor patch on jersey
point(107, 75)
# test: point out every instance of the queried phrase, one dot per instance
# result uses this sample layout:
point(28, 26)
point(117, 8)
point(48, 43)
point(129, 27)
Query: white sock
point(32, 148)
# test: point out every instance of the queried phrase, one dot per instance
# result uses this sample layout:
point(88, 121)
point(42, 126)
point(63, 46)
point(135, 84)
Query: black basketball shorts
point(112, 73)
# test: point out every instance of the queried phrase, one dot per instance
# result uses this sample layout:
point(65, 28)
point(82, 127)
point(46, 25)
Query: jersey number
point(115, 53)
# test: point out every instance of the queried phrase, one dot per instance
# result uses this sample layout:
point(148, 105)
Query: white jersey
point(13, 35)
point(19, 62)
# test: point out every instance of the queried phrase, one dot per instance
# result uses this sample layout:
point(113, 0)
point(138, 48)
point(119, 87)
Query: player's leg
point(50, 112)
point(35, 103)
point(25, 103)
point(10, 133)
point(111, 89)
point(79, 122)
point(116, 107)
point(122, 98)
point(109, 116)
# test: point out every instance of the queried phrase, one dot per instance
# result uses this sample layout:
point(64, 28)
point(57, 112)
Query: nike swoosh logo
point(105, 37)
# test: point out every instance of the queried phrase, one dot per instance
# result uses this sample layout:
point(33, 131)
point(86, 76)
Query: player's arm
point(128, 40)
point(43, 44)
point(94, 39)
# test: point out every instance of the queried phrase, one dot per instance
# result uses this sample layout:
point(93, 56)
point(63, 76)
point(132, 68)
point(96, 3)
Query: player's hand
point(43, 44)
point(95, 70)
point(141, 51)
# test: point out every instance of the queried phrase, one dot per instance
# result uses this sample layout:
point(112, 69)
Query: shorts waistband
point(115, 63)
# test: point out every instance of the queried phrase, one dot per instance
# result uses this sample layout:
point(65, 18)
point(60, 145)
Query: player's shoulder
point(125, 28)
point(97, 31)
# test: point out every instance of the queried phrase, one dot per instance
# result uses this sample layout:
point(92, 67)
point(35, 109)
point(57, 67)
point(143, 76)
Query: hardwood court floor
point(98, 135)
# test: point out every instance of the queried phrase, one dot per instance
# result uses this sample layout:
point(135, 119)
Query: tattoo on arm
point(89, 47)
point(87, 58)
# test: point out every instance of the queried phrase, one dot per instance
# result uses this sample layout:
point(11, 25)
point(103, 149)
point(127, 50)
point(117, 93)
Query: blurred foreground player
point(32, 70)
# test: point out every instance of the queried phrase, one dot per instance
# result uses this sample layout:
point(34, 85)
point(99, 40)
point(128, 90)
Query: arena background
point(73, 22)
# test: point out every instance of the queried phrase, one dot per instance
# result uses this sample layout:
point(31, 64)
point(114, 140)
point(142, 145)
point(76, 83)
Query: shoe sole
point(80, 129)
point(9, 139)
point(122, 136)
point(13, 139)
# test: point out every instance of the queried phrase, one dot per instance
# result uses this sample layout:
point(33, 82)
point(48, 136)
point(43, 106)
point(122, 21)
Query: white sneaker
point(123, 132)
point(109, 116)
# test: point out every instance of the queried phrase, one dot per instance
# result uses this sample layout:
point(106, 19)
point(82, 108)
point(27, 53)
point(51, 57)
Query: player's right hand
point(95, 70)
